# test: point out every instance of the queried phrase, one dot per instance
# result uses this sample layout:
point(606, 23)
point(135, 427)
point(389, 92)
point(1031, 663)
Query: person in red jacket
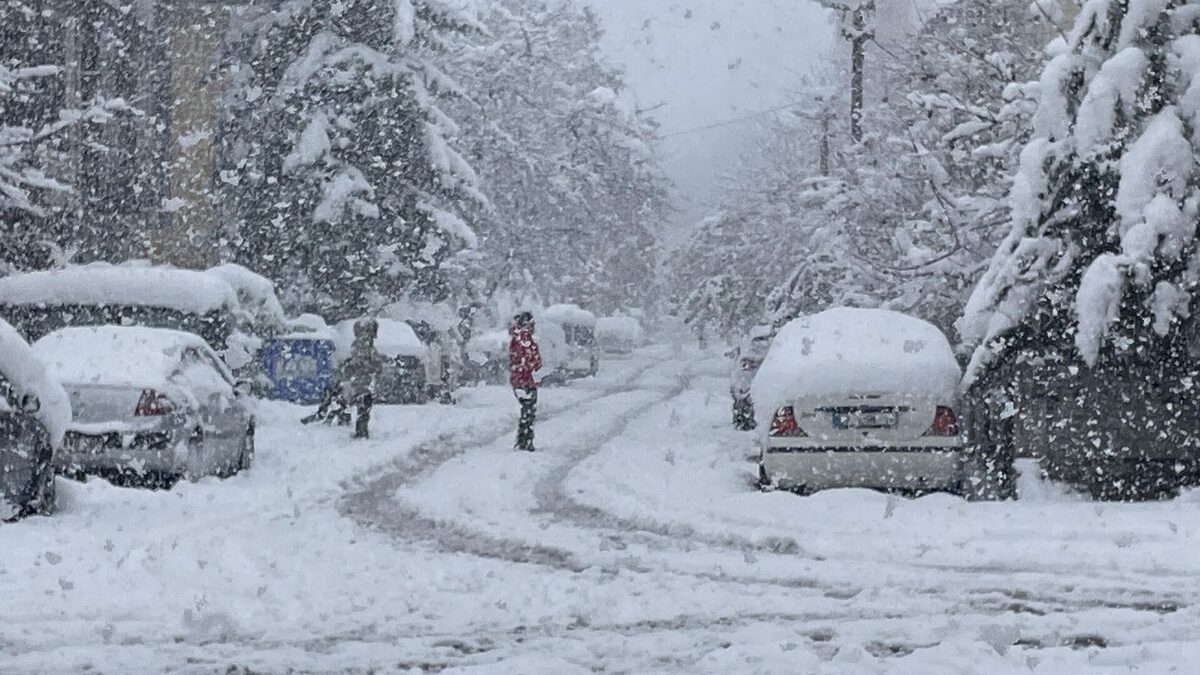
point(524, 359)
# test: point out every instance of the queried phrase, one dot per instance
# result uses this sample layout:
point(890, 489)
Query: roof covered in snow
point(255, 293)
point(568, 314)
point(851, 351)
point(128, 284)
point(115, 355)
point(26, 374)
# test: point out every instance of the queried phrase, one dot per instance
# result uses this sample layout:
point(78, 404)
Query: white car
point(578, 354)
point(619, 334)
point(861, 398)
point(149, 405)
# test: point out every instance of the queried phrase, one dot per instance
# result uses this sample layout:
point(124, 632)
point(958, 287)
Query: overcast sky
point(707, 62)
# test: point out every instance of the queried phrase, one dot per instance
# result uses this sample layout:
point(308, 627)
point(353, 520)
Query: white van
point(580, 354)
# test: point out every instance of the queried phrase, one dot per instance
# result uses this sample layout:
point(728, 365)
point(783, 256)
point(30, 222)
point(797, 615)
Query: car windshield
point(843, 337)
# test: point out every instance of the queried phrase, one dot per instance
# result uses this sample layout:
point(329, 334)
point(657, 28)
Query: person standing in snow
point(360, 373)
point(524, 359)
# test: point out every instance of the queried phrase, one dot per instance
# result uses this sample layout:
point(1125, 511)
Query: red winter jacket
point(524, 358)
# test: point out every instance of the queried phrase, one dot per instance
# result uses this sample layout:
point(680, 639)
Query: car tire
point(764, 481)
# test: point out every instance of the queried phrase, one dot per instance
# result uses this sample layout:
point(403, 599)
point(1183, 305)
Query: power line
point(736, 120)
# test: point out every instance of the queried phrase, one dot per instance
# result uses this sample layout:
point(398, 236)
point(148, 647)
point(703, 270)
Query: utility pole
point(858, 30)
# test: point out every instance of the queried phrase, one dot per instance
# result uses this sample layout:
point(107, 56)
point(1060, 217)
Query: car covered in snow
point(34, 413)
point(297, 365)
point(487, 357)
point(150, 405)
point(747, 358)
point(39, 303)
point(619, 334)
point(578, 354)
point(862, 398)
point(405, 375)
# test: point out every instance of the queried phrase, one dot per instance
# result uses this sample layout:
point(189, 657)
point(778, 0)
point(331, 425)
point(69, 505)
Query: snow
point(850, 351)
point(1114, 88)
point(256, 295)
point(25, 374)
point(634, 542)
point(137, 285)
point(1159, 161)
point(1097, 303)
point(339, 194)
point(132, 356)
point(564, 314)
point(619, 328)
point(312, 146)
point(485, 345)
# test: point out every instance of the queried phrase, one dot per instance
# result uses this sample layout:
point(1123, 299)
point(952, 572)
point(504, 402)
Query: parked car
point(580, 354)
point(34, 413)
point(150, 405)
point(619, 334)
point(39, 303)
point(866, 398)
point(487, 357)
point(404, 378)
point(747, 358)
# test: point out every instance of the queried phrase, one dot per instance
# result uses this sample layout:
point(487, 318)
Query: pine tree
point(337, 174)
point(1100, 262)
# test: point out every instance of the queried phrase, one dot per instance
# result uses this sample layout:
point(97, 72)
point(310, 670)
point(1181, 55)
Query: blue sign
point(298, 369)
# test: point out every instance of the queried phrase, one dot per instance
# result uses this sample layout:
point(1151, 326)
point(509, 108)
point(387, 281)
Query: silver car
point(150, 405)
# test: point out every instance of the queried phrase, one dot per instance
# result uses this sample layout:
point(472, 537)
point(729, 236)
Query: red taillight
point(945, 423)
point(784, 423)
point(153, 403)
point(750, 364)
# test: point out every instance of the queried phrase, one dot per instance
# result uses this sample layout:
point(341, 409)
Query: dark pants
point(363, 419)
point(528, 398)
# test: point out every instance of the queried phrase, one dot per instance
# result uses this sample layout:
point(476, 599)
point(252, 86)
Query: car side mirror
point(243, 388)
point(30, 403)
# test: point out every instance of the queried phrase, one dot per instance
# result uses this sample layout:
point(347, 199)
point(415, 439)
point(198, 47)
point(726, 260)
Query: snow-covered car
point(148, 404)
point(437, 325)
point(487, 357)
point(579, 354)
point(747, 358)
point(861, 398)
point(404, 378)
point(38, 303)
point(619, 334)
point(34, 413)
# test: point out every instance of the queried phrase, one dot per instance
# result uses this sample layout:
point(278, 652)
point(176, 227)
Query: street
point(634, 540)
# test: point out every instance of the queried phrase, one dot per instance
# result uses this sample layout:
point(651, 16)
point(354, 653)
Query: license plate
point(85, 445)
point(882, 419)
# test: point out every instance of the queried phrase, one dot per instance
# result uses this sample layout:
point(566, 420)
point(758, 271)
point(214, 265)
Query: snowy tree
point(566, 160)
point(337, 172)
point(38, 130)
point(1087, 308)
point(907, 217)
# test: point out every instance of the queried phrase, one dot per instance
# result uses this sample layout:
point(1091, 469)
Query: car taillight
point(750, 364)
point(153, 403)
point(784, 423)
point(945, 423)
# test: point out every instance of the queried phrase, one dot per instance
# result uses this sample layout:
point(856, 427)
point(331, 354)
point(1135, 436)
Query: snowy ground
point(634, 542)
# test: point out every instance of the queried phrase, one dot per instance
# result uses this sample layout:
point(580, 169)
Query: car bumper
point(939, 466)
point(158, 451)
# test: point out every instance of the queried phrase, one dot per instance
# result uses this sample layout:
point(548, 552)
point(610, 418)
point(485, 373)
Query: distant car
point(34, 412)
point(579, 354)
point(487, 357)
point(407, 361)
point(747, 358)
point(150, 405)
point(619, 334)
point(862, 398)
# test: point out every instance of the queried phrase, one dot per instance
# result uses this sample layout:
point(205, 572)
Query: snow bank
point(568, 314)
point(844, 351)
point(133, 356)
point(128, 284)
point(25, 374)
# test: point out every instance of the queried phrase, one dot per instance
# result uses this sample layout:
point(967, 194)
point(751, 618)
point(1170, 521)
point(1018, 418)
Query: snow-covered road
point(633, 542)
